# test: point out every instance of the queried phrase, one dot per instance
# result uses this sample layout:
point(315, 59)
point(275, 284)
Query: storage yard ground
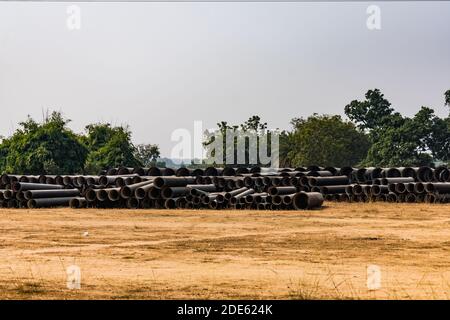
point(178, 254)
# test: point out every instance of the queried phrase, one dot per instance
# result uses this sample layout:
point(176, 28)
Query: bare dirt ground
point(190, 254)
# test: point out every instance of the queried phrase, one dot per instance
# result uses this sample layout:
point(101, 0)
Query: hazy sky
point(160, 66)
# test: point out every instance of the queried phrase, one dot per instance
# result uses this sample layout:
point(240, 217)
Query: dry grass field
point(178, 254)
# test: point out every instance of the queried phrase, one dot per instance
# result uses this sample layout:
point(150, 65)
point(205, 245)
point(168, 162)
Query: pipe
point(273, 191)
point(430, 198)
point(400, 187)
point(392, 187)
point(113, 194)
point(133, 203)
point(419, 187)
point(9, 194)
point(391, 197)
point(78, 202)
point(141, 192)
point(49, 202)
point(346, 171)
point(307, 200)
point(202, 187)
point(23, 186)
point(377, 190)
point(386, 181)
point(407, 172)
point(91, 195)
point(234, 199)
point(440, 187)
point(37, 194)
point(357, 190)
point(154, 171)
point(161, 182)
point(128, 191)
point(349, 189)
point(390, 173)
point(171, 192)
point(170, 203)
point(328, 181)
point(410, 198)
point(230, 194)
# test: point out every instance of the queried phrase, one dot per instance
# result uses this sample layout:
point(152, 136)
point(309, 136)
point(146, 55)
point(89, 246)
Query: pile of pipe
point(213, 188)
point(403, 184)
point(227, 188)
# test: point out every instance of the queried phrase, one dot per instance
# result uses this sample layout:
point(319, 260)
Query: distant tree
point(147, 154)
point(447, 98)
point(253, 127)
point(371, 113)
point(286, 146)
point(324, 140)
point(407, 144)
point(397, 140)
point(109, 147)
point(43, 148)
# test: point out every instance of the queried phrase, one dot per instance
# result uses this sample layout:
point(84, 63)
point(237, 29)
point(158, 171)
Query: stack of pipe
point(222, 188)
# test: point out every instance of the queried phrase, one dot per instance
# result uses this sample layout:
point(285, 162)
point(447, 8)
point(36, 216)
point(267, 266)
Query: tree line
point(374, 135)
point(51, 147)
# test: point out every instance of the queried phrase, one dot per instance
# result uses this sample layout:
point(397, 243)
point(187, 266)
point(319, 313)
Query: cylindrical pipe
point(391, 197)
point(307, 200)
point(49, 202)
point(234, 199)
point(128, 191)
point(273, 191)
point(161, 182)
point(37, 194)
point(440, 187)
point(23, 186)
point(172, 192)
point(386, 181)
point(78, 202)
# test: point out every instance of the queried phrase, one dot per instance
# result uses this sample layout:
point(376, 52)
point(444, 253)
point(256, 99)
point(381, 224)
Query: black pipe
point(49, 202)
point(37, 194)
point(78, 202)
point(307, 200)
point(440, 187)
point(386, 181)
point(23, 186)
point(171, 192)
point(161, 182)
point(273, 191)
point(128, 191)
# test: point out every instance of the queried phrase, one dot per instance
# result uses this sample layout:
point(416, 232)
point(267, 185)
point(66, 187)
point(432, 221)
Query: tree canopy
point(398, 140)
point(43, 148)
point(147, 154)
point(109, 147)
point(447, 98)
point(51, 147)
point(324, 140)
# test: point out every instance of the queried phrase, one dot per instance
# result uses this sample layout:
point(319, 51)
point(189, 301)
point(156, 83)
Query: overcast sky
point(161, 66)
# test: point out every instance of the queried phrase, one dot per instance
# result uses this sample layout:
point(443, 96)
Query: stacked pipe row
point(404, 184)
point(220, 188)
point(173, 190)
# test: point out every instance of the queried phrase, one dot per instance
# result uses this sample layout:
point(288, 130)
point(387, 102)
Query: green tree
point(324, 140)
point(251, 131)
point(373, 114)
point(147, 154)
point(398, 140)
point(43, 148)
point(405, 145)
point(109, 147)
point(447, 98)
